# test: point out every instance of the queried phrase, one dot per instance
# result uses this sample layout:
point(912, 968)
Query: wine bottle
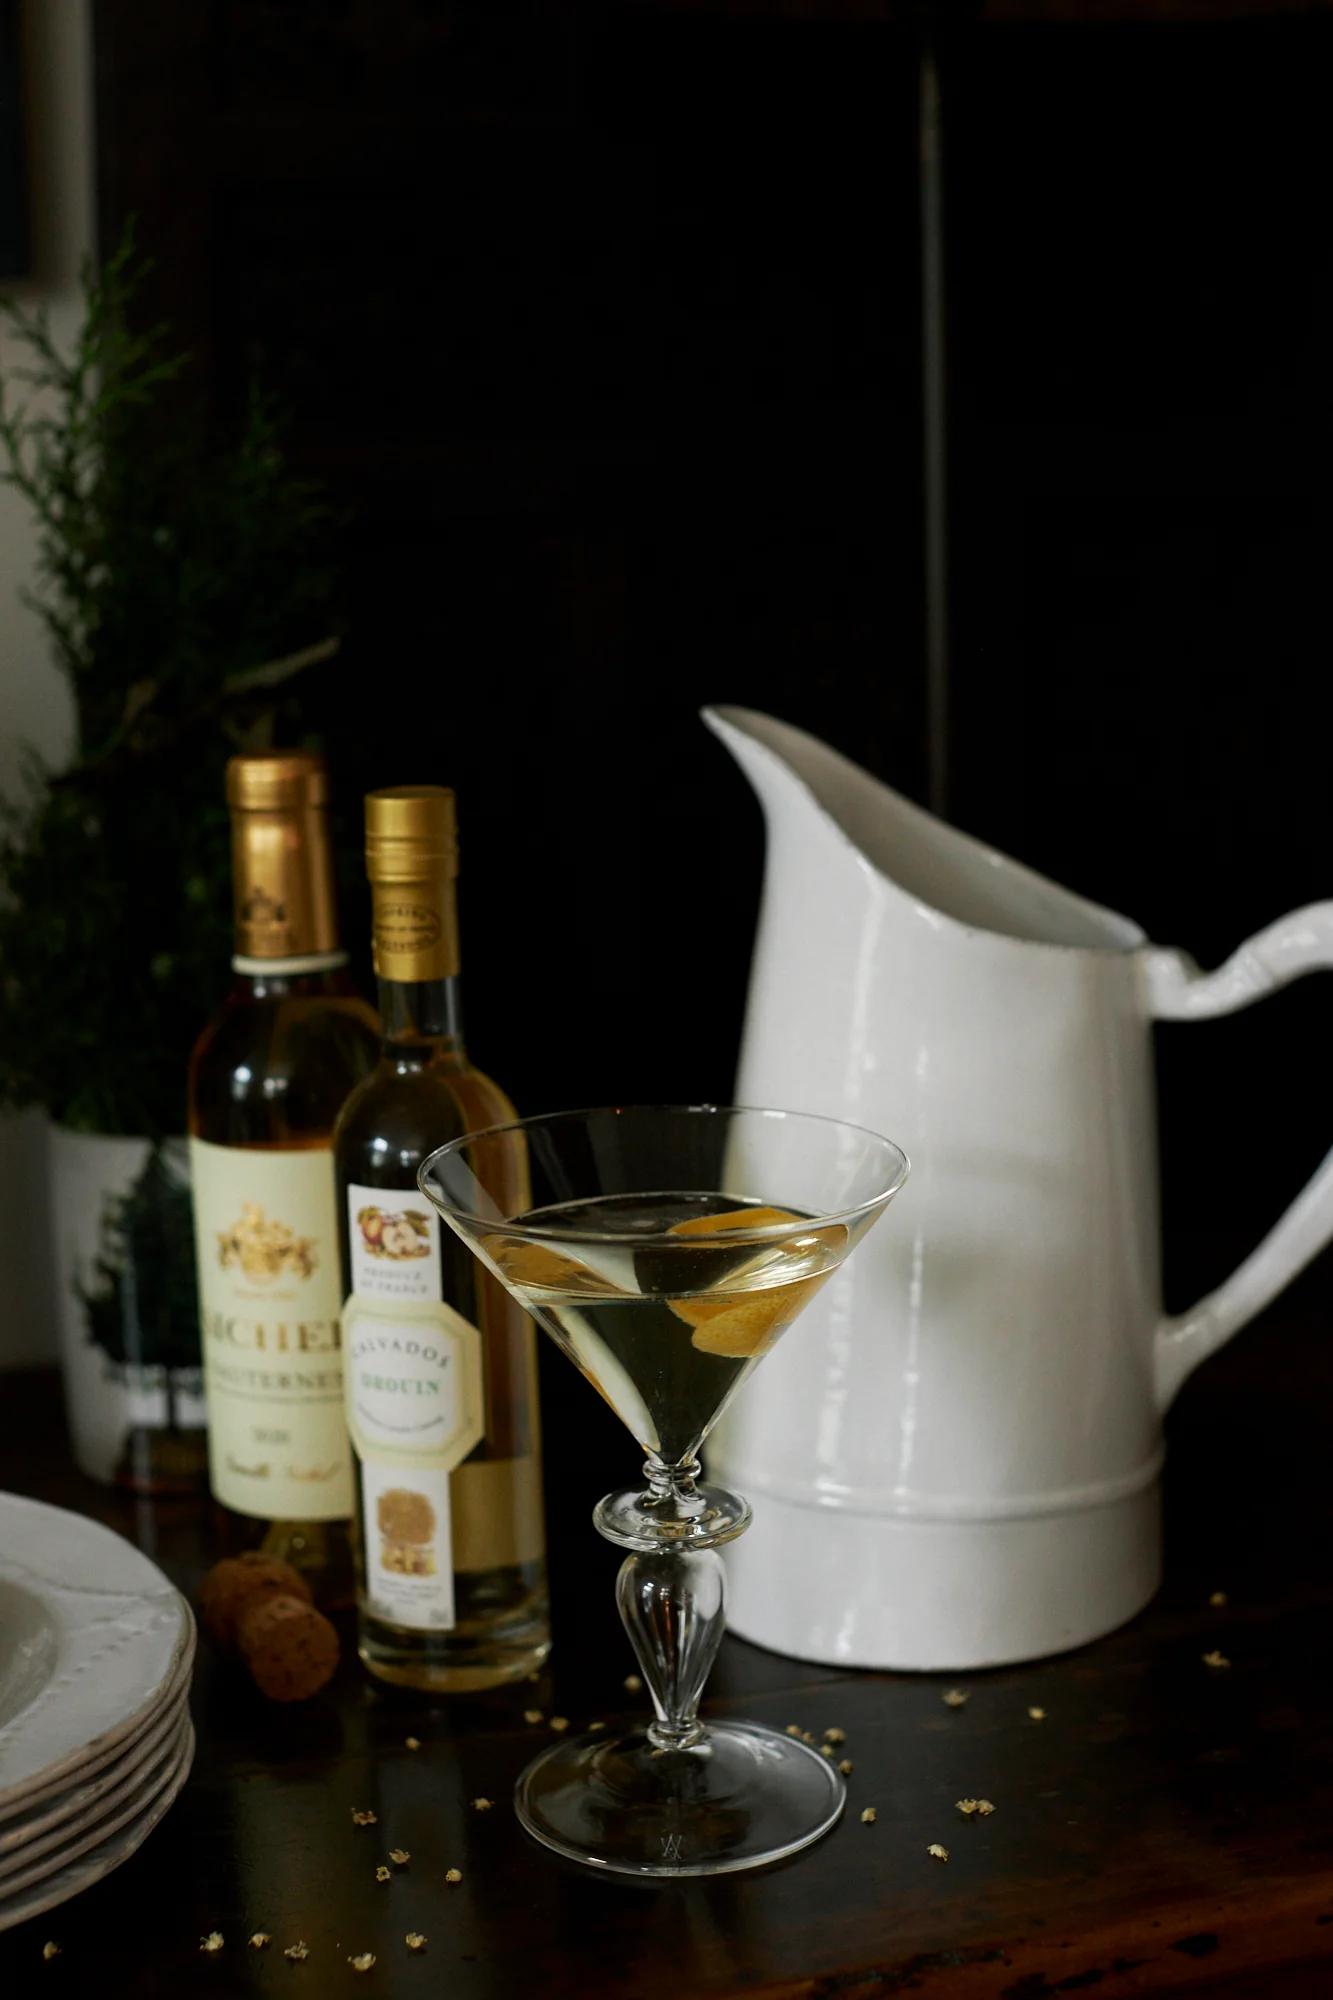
point(268, 1077)
point(440, 1364)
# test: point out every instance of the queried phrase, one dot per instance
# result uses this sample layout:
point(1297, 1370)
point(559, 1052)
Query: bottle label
point(415, 1403)
point(414, 935)
point(266, 1237)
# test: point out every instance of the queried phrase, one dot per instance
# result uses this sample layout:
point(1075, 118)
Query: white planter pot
point(129, 1364)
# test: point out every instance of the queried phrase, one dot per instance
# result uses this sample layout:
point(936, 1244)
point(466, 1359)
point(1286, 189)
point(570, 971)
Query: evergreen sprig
point(183, 581)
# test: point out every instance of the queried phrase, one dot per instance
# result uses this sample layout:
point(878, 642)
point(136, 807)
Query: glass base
point(654, 1521)
point(739, 1798)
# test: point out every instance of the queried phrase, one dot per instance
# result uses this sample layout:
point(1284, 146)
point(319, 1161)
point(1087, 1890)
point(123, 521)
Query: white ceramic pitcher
point(955, 1456)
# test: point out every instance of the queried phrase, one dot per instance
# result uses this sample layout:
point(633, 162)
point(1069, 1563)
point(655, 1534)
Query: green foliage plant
point(182, 578)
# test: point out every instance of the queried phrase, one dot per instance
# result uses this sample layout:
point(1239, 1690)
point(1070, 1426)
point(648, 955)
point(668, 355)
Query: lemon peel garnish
point(734, 1218)
point(526, 1263)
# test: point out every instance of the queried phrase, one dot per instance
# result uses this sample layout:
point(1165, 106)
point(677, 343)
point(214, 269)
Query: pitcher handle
point(1179, 991)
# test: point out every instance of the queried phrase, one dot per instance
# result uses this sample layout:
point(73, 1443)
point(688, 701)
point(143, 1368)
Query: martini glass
point(665, 1250)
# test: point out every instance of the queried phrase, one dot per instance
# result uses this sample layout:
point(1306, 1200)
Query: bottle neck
point(277, 979)
point(282, 878)
point(415, 948)
point(420, 1017)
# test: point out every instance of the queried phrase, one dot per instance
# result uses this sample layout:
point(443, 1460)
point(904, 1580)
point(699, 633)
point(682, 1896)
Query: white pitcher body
point(954, 1457)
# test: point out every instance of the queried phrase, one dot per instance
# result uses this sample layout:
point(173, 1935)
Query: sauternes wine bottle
point(267, 1079)
point(439, 1362)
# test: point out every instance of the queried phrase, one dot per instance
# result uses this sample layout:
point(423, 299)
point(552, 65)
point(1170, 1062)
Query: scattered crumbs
point(453, 1875)
point(1037, 1714)
point(1217, 1661)
point(362, 1962)
point(937, 1852)
point(633, 1685)
point(415, 1940)
point(532, 1716)
point(954, 1698)
point(411, 1742)
point(869, 1816)
point(793, 1729)
point(594, 1727)
point(360, 1818)
point(807, 1736)
point(967, 1806)
point(559, 1723)
point(213, 1942)
point(260, 1941)
point(984, 1808)
point(846, 1767)
point(399, 1856)
point(296, 1952)
point(826, 1750)
point(383, 1874)
point(482, 1805)
point(1218, 1599)
point(835, 1735)
point(50, 1950)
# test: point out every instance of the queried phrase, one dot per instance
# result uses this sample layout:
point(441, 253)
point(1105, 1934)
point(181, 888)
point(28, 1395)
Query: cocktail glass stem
point(672, 1493)
point(672, 1603)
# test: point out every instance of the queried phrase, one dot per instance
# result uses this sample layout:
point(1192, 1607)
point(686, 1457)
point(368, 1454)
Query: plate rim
point(179, 1686)
point(49, 1892)
point(70, 1811)
point(155, 1586)
point(120, 1816)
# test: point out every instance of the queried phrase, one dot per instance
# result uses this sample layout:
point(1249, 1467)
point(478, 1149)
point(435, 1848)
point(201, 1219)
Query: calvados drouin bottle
point(268, 1077)
point(440, 1364)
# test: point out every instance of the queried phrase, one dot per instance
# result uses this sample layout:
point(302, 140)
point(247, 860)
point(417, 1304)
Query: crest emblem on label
point(263, 1250)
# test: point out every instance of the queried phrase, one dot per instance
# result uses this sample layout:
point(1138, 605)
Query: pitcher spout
point(942, 871)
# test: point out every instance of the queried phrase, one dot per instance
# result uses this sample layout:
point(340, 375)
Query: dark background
point(605, 324)
point(15, 249)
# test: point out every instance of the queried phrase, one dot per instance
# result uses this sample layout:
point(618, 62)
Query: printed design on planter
point(138, 1300)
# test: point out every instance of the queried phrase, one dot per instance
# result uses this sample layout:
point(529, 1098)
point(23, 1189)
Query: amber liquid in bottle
point(268, 1077)
point(440, 1363)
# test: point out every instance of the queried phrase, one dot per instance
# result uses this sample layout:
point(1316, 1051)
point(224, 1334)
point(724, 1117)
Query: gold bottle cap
point(277, 781)
point(411, 830)
point(412, 862)
point(282, 867)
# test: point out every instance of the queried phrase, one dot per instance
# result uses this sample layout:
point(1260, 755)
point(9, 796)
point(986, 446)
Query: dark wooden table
point(1165, 1829)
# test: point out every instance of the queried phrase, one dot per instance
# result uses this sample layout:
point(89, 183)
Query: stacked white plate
point(96, 1648)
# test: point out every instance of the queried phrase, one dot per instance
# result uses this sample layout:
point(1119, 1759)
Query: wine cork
point(290, 1648)
point(235, 1583)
